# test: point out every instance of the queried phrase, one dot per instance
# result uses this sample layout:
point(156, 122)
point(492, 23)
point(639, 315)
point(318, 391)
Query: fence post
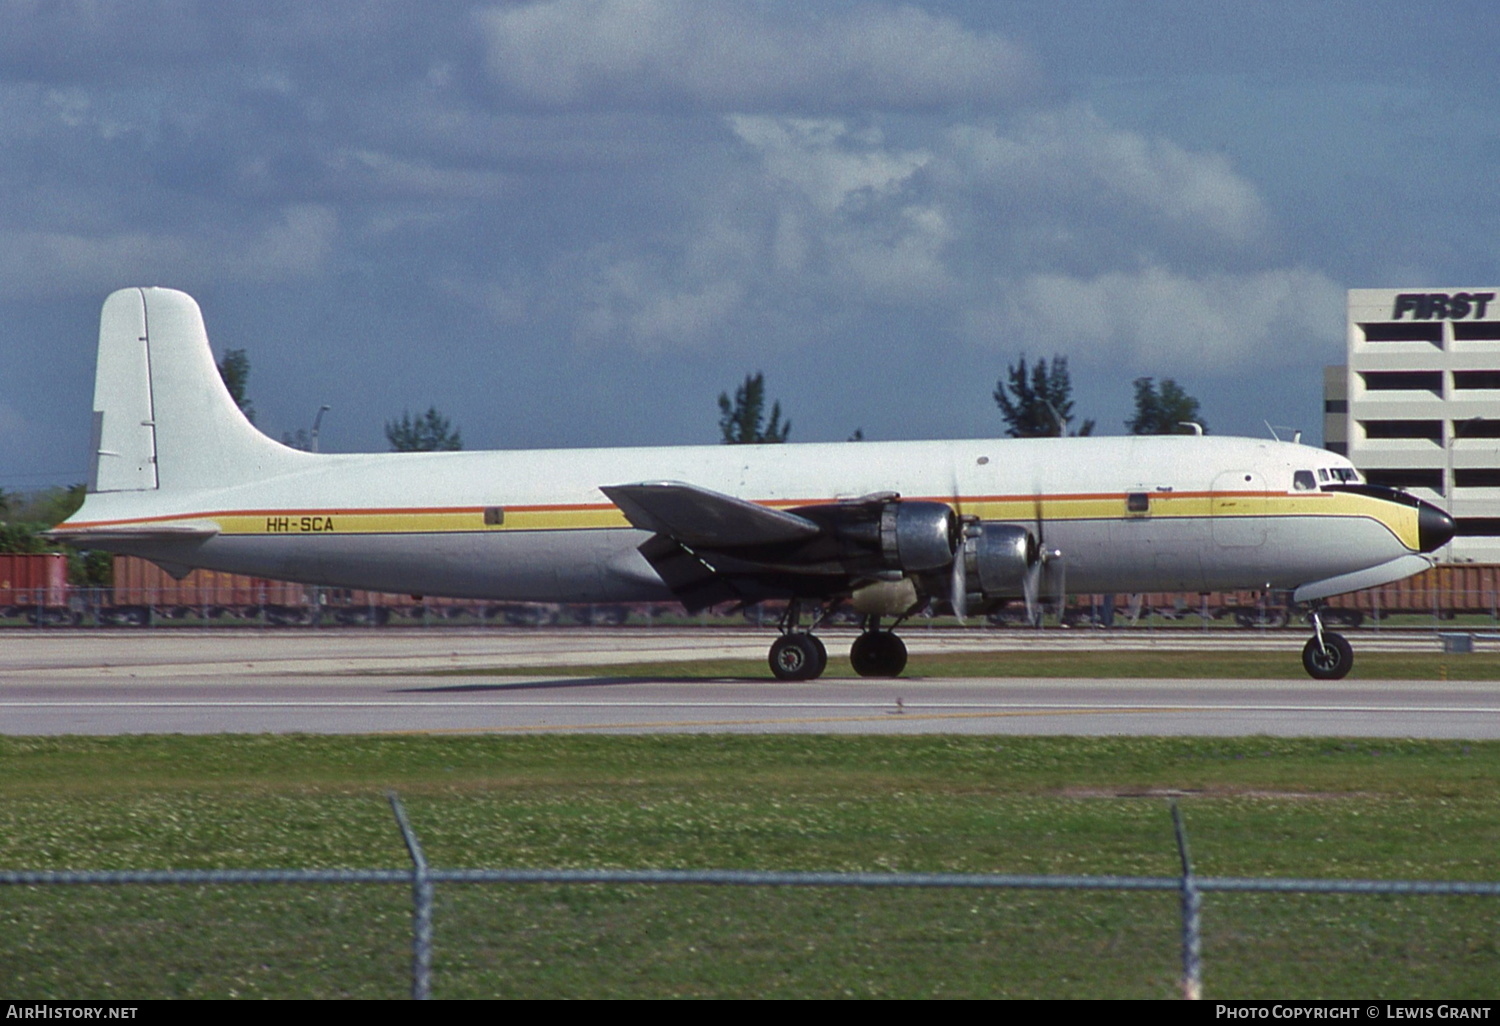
point(1192, 961)
point(421, 915)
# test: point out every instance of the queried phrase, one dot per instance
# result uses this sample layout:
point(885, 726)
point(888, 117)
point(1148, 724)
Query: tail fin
point(162, 416)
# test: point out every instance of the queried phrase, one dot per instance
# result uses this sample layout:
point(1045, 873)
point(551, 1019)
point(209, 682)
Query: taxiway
point(390, 681)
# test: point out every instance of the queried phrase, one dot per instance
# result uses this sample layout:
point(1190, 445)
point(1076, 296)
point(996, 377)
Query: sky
point(576, 222)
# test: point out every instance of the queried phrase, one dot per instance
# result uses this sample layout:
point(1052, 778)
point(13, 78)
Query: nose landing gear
point(1327, 655)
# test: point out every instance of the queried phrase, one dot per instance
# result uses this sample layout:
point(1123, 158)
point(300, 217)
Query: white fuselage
point(1220, 513)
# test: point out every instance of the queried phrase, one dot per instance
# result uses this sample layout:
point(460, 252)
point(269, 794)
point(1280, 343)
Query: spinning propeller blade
point(958, 586)
point(1047, 568)
point(958, 579)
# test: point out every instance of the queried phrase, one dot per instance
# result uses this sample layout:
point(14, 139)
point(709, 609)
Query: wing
point(709, 547)
point(697, 516)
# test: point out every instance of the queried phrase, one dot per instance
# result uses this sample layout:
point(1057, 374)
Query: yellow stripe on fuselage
point(416, 521)
point(1400, 520)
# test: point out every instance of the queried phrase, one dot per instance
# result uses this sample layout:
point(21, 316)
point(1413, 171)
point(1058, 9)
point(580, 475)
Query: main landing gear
point(877, 653)
point(1327, 655)
point(798, 655)
point(801, 655)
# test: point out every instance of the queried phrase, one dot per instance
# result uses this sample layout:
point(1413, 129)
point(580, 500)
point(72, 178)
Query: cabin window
point(494, 516)
point(1303, 481)
point(1137, 502)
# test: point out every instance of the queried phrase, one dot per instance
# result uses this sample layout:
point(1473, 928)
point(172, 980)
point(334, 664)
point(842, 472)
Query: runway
point(113, 682)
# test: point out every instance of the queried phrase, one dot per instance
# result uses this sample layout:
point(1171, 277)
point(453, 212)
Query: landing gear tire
point(878, 654)
point(798, 657)
point(1329, 662)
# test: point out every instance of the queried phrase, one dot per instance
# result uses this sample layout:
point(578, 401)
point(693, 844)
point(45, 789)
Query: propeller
point(1062, 582)
point(958, 576)
point(1041, 567)
point(958, 584)
point(1044, 569)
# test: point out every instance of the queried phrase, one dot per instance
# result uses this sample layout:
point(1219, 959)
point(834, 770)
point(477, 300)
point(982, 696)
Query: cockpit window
point(1339, 475)
point(1302, 481)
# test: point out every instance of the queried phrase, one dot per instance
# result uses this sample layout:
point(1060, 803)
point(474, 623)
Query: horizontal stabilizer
point(706, 519)
point(102, 536)
point(1397, 569)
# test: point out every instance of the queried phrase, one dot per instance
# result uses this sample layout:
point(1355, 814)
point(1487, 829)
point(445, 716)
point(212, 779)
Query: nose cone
point(1434, 527)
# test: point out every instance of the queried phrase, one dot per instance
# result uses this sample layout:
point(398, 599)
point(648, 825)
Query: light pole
point(317, 423)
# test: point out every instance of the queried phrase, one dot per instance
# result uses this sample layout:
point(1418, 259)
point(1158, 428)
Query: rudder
point(124, 436)
point(163, 418)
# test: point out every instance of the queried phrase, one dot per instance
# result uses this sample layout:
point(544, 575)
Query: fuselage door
point(1239, 509)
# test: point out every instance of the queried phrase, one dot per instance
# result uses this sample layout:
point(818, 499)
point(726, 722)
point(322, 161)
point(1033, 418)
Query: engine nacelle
point(918, 536)
point(997, 560)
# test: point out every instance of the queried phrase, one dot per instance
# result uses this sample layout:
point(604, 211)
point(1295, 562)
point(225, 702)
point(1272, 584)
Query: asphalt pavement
point(388, 681)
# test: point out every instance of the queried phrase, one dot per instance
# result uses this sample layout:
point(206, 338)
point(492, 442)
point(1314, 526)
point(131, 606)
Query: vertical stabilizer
point(162, 416)
point(124, 436)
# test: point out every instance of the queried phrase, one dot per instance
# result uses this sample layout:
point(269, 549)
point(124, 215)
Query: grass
point(1256, 806)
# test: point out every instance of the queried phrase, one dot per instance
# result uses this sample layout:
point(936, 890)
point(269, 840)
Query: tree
point(431, 432)
point(36, 512)
point(1162, 411)
point(743, 420)
point(1039, 403)
point(235, 370)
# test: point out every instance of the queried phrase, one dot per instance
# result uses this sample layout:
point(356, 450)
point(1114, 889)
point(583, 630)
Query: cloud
point(60, 40)
point(727, 56)
point(845, 207)
point(1072, 155)
point(13, 430)
point(386, 175)
point(650, 309)
point(1037, 228)
point(824, 160)
point(296, 244)
point(1154, 318)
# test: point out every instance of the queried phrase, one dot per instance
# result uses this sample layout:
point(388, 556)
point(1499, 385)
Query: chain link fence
point(423, 879)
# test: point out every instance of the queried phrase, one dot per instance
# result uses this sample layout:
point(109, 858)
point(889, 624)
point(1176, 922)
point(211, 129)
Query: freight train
point(34, 589)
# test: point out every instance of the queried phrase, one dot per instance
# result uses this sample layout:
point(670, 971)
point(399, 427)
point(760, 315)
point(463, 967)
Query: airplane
point(179, 476)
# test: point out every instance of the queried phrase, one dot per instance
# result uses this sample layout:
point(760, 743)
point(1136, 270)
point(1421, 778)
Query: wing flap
point(700, 517)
